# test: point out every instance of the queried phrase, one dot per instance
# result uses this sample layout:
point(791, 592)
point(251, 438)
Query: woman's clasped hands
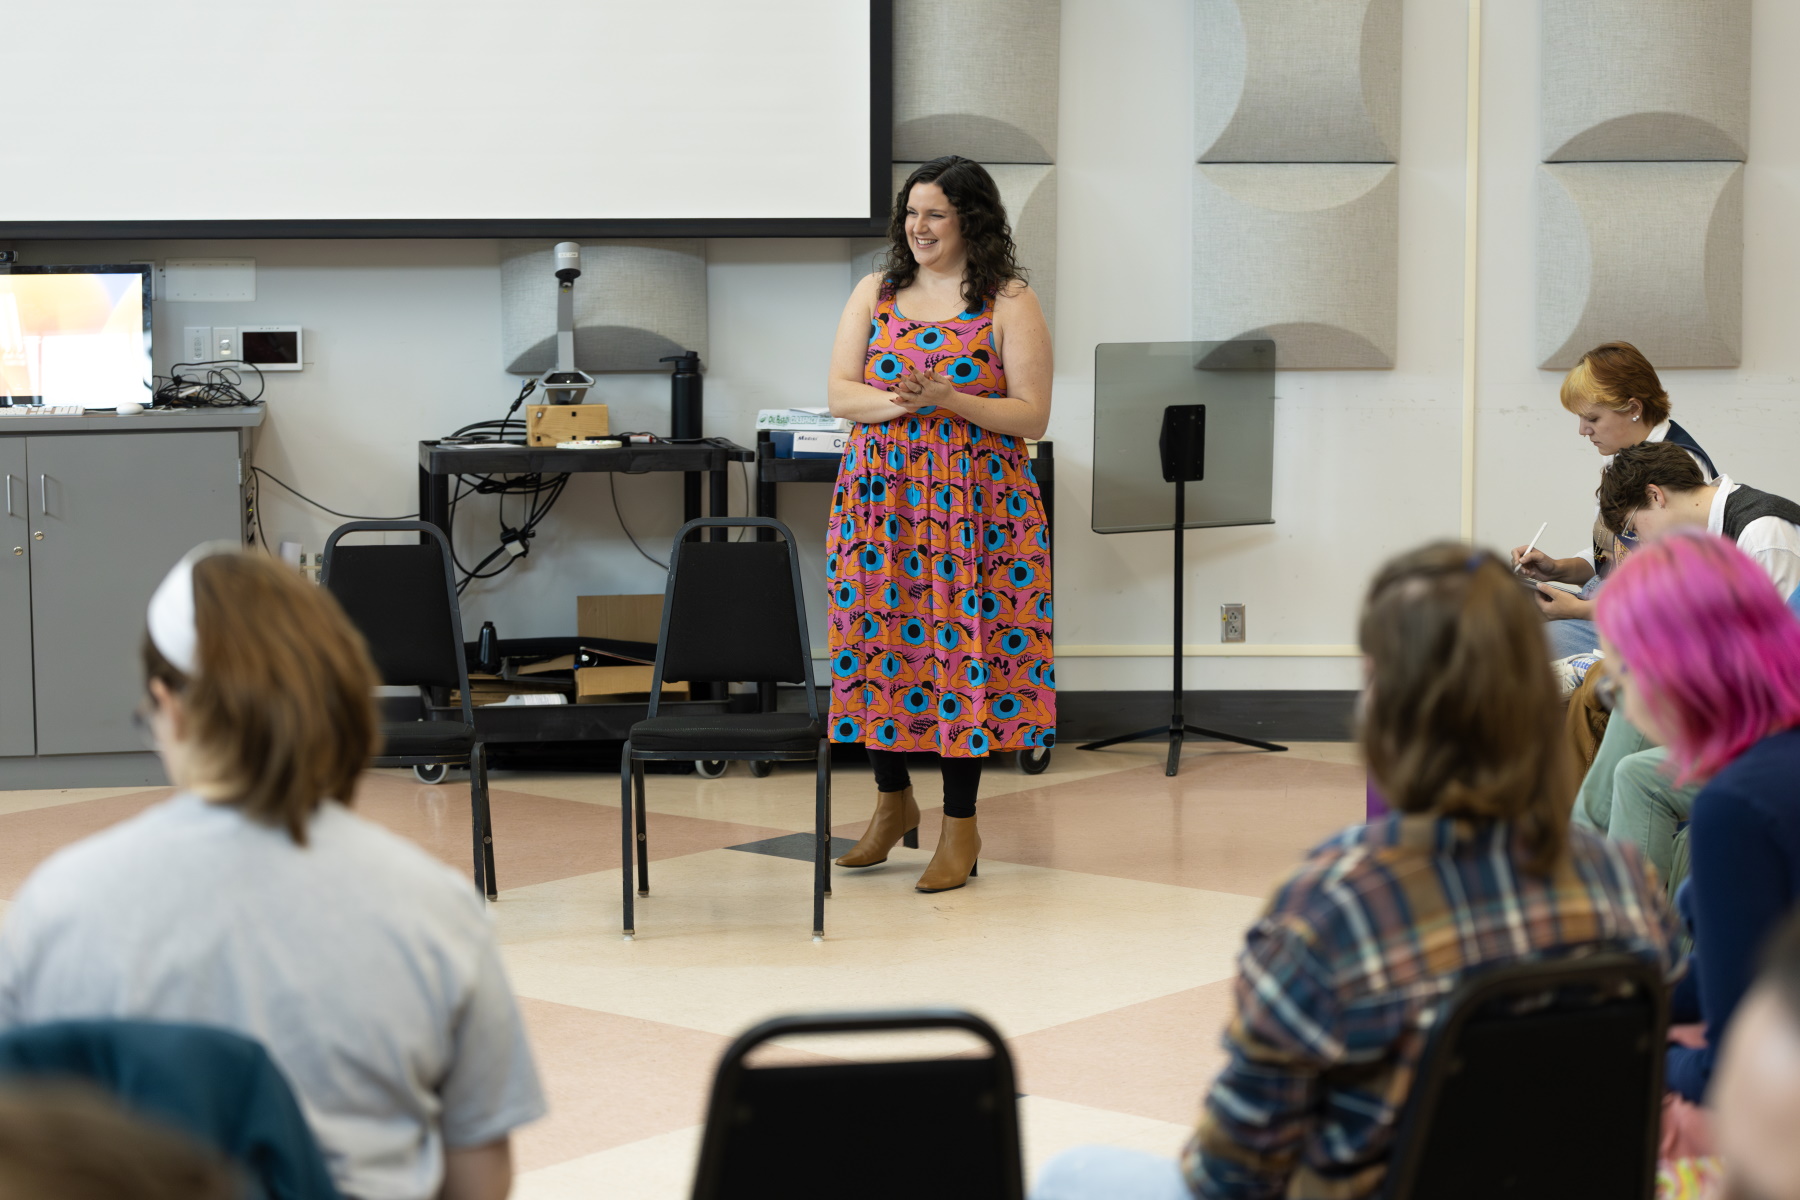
point(918, 390)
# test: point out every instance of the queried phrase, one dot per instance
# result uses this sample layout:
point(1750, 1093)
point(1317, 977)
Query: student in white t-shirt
point(256, 900)
point(1647, 491)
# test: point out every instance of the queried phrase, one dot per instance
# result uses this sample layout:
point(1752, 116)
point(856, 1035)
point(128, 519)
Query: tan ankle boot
point(896, 818)
point(957, 855)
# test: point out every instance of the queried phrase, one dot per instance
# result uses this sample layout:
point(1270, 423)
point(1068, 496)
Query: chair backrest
point(1540, 1081)
point(734, 611)
point(403, 600)
point(221, 1089)
point(945, 1128)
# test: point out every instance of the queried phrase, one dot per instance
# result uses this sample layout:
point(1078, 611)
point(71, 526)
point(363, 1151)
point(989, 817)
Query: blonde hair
point(1612, 376)
point(281, 706)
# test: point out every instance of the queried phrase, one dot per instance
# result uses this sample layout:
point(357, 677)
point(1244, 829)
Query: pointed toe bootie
point(956, 858)
point(896, 818)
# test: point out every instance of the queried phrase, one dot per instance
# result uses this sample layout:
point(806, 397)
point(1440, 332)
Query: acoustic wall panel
point(1029, 193)
point(976, 78)
point(1304, 253)
point(636, 302)
point(1645, 80)
point(1297, 80)
point(1651, 253)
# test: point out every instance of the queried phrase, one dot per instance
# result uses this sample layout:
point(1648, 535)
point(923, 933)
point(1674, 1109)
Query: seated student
point(1477, 867)
point(254, 899)
point(1647, 491)
point(1756, 1093)
point(1619, 401)
point(1707, 659)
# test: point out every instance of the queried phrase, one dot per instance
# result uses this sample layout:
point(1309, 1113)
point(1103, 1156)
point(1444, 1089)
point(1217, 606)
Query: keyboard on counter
point(42, 410)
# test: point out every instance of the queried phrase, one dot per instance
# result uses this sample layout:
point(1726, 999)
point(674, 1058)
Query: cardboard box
point(548, 424)
point(596, 684)
point(620, 619)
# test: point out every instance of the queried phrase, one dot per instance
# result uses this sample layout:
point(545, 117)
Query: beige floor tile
point(725, 942)
point(657, 1168)
point(31, 801)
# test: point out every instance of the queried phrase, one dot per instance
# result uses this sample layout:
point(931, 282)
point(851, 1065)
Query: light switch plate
point(224, 341)
point(196, 343)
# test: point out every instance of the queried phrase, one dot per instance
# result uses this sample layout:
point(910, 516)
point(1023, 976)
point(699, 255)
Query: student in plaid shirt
point(1340, 979)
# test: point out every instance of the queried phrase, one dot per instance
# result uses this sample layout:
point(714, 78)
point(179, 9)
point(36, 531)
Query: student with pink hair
point(1706, 658)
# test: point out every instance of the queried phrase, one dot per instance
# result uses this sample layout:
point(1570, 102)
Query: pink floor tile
point(1229, 822)
point(612, 1080)
point(1154, 1059)
point(28, 838)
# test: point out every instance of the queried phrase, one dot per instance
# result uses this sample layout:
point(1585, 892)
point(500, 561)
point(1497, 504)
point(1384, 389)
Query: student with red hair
point(1706, 658)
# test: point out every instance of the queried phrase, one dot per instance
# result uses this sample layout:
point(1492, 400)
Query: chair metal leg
point(484, 823)
point(627, 835)
point(821, 838)
point(643, 835)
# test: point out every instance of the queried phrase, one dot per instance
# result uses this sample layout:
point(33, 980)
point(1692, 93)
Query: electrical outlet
point(1231, 622)
point(196, 341)
point(225, 342)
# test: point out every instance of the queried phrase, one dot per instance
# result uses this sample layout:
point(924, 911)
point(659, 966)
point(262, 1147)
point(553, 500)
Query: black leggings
point(962, 778)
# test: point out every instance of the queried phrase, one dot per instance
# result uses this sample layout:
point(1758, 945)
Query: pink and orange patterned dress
point(939, 562)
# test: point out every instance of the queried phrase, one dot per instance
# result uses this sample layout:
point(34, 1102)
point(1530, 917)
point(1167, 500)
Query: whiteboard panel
point(439, 111)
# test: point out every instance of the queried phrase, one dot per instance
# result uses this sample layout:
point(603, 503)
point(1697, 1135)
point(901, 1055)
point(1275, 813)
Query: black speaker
point(1183, 443)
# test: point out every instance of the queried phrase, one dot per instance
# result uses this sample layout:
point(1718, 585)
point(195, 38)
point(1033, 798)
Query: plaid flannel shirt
point(1341, 978)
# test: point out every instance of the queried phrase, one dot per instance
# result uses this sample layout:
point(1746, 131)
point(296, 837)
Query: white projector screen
point(446, 118)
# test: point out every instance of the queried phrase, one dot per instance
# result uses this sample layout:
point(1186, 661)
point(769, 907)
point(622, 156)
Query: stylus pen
point(1530, 546)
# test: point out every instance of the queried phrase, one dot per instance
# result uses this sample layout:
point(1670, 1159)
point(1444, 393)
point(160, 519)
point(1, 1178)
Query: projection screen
point(512, 118)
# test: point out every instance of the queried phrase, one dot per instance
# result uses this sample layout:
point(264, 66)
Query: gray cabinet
point(18, 728)
point(105, 516)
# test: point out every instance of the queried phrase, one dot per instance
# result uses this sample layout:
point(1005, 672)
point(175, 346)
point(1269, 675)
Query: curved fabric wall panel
point(1651, 253)
point(1297, 80)
point(976, 78)
point(1304, 253)
point(1029, 193)
point(636, 301)
point(1645, 80)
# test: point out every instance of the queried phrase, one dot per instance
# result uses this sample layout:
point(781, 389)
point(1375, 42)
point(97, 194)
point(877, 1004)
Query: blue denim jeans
point(1110, 1173)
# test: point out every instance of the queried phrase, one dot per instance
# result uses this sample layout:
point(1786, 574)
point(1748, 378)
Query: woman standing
point(938, 554)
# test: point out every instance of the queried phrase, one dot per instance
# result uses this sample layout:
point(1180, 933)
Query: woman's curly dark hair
point(992, 256)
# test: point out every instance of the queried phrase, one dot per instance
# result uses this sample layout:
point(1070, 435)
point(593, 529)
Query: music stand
point(1158, 408)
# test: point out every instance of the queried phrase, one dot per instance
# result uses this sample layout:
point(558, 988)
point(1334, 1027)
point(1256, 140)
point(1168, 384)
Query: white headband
point(171, 614)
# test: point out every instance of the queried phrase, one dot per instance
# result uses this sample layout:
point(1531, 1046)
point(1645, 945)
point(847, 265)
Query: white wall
point(404, 342)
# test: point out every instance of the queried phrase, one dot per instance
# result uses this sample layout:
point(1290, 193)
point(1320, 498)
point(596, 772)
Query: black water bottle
point(684, 396)
point(485, 656)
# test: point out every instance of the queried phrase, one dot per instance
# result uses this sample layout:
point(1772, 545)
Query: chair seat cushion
point(728, 732)
point(421, 739)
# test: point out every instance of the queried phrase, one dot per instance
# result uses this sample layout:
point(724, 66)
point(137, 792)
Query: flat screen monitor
point(75, 335)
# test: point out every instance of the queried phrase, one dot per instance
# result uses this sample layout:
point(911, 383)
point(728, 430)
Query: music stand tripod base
point(1182, 444)
point(1177, 731)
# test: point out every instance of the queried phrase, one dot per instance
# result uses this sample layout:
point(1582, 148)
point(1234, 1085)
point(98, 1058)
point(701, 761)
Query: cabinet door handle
point(44, 493)
point(9, 499)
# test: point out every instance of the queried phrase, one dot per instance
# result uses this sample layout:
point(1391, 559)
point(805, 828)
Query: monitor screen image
point(75, 335)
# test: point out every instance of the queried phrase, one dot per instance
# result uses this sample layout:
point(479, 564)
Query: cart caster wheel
point(435, 773)
point(762, 769)
point(710, 768)
point(1034, 760)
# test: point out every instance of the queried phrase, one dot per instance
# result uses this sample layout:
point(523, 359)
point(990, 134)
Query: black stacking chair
point(824, 1131)
point(732, 612)
point(1540, 1081)
point(403, 599)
